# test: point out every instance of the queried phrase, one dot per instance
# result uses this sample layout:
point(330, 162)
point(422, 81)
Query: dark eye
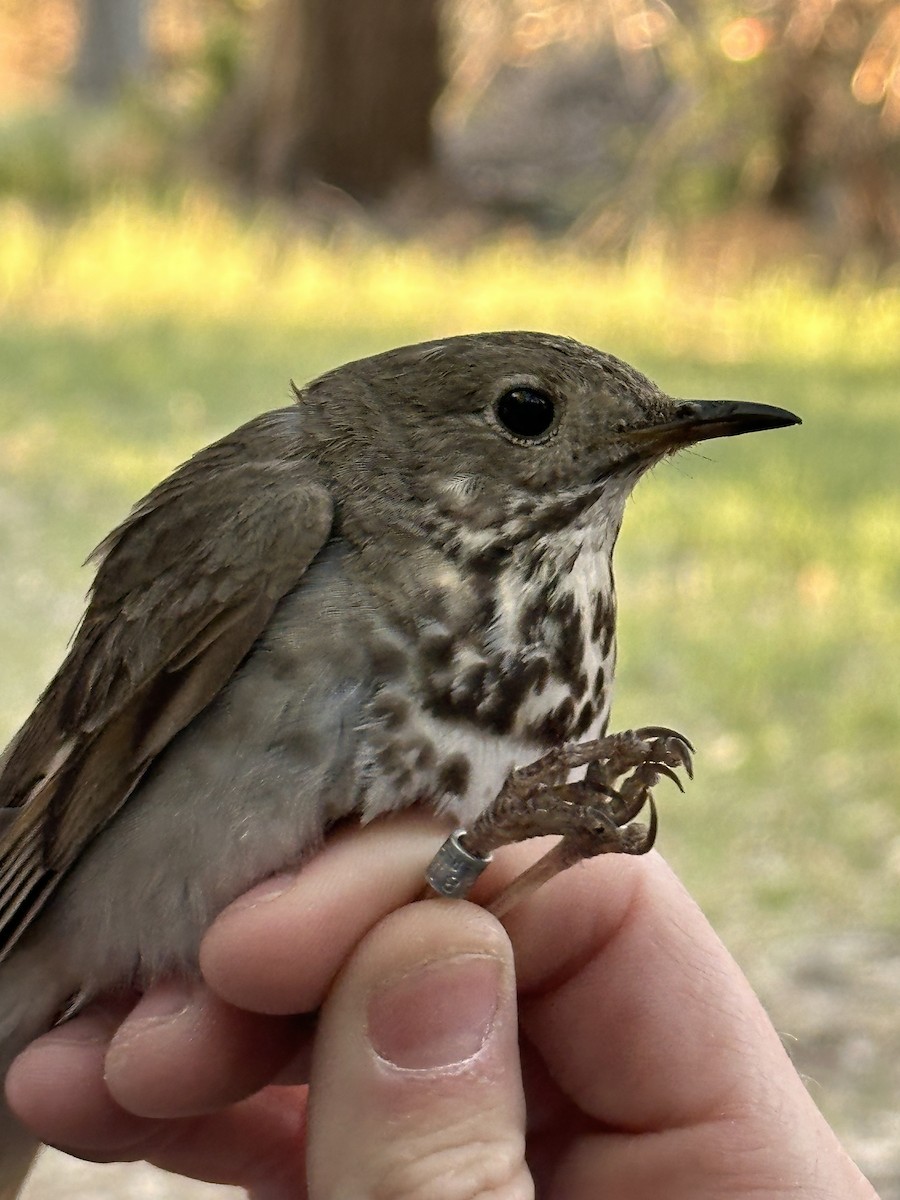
point(526, 412)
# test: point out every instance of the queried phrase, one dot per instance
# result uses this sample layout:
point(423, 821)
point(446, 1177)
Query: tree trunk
point(342, 92)
point(112, 50)
point(793, 122)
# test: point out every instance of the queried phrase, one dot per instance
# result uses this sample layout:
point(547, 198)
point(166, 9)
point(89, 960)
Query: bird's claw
point(594, 815)
point(639, 839)
point(663, 731)
point(676, 748)
point(664, 769)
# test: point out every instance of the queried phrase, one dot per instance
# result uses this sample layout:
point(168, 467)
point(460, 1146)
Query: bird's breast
point(500, 667)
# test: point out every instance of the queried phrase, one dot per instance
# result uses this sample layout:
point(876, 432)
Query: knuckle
point(476, 1170)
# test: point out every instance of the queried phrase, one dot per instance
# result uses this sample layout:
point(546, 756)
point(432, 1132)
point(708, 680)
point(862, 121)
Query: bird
point(395, 590)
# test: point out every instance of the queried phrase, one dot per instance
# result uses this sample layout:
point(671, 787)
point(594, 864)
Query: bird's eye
point(526, 412)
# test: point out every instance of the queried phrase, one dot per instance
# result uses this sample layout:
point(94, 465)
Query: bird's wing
point(184, 587)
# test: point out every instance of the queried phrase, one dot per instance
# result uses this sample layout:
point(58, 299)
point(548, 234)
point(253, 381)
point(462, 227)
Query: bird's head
point(500, 427)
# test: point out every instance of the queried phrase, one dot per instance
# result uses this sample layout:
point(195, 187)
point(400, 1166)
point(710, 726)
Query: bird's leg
point(537, 799)
point(592, 815)
point(591, 832)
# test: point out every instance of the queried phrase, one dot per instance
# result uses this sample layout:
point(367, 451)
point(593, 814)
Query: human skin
point(601, 1042)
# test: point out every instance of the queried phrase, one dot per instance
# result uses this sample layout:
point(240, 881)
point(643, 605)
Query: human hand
point(644, 1066)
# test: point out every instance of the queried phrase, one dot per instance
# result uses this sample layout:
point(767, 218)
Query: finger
point(627, 988)
point(646, 1023)
point(258, 1144)
point(277, 949)
point(183, 1051)
point(417, 1055)
point(56, 1087)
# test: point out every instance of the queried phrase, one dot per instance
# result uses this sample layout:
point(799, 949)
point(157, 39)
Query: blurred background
point(201, 199)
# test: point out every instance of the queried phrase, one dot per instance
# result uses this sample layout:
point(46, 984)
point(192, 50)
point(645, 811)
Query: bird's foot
point(594, 815)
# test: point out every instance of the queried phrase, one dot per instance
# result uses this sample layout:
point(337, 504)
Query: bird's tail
point(31, 993)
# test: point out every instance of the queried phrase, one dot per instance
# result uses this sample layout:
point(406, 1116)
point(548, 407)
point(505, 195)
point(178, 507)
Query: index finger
point(626, 990)
point(646, 1023)
point(278, 948)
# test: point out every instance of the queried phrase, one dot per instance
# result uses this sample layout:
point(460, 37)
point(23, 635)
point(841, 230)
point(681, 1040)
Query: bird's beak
point(693, 421)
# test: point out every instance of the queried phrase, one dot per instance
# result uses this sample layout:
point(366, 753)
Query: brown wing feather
point(184, 587)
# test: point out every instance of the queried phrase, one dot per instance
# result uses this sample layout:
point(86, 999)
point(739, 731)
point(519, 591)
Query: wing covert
point(184, 587)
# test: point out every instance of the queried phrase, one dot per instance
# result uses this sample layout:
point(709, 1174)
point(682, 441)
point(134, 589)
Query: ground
point(758, 580)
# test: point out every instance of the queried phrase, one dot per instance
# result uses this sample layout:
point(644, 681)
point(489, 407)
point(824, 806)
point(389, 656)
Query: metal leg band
point(453, 870)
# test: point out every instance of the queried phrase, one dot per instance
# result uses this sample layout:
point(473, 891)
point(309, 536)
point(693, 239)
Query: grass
point(758, 579)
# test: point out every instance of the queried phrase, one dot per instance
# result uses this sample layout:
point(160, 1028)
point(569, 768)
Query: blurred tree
point(112, 50)
point(793, 113)
point(612, 118)
point(339, 92)
point(835, 113)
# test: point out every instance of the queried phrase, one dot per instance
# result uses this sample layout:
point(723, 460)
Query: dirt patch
point(836, 1004)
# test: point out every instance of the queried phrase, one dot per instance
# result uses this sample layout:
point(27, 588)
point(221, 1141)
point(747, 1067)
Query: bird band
point(453, 870)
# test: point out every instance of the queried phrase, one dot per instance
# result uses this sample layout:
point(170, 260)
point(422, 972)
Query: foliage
point(758, 580)
point(792, 106)
point(65, 156)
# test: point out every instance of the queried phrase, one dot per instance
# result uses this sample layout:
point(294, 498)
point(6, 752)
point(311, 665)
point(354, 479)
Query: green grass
point(759, 579)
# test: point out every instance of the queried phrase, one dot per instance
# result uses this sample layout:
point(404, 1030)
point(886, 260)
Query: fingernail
point(96, 1024)
point(438, 1015)
point(88, 1030)
point(164, 1001)
point(269, 889)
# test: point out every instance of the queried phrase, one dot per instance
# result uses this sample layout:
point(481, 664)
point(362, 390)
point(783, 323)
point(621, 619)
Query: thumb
point(416, 1088)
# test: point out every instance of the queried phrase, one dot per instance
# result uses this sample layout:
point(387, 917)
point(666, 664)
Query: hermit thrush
point(394, 591)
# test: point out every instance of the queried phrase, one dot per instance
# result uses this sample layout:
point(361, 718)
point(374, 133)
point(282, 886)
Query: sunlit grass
point(759, 579)
point(198, 262)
